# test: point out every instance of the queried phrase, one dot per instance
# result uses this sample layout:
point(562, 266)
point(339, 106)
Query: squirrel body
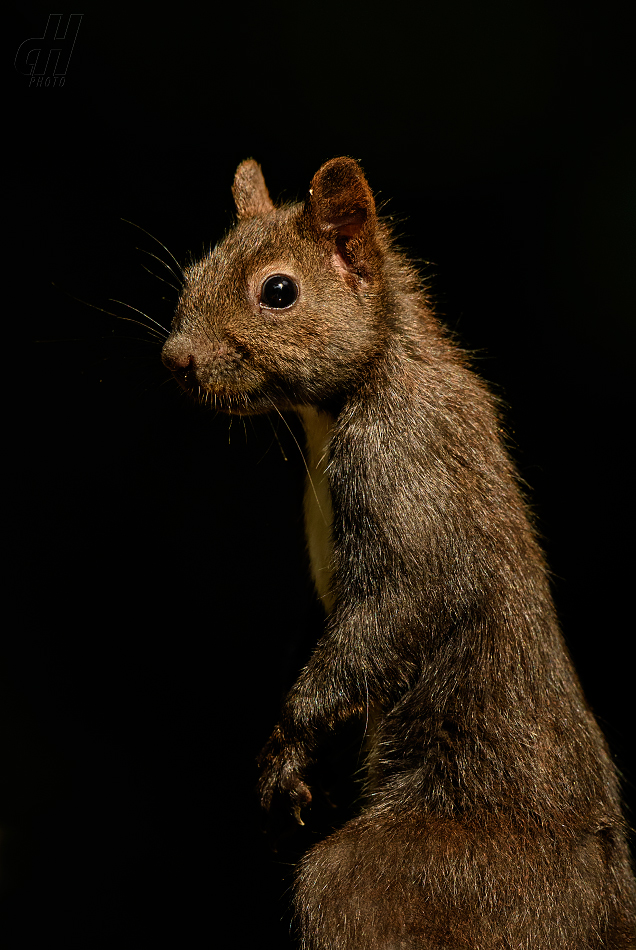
point(492, 816)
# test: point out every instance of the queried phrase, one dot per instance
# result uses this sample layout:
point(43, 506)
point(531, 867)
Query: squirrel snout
point(181, 353)
point(197, 364)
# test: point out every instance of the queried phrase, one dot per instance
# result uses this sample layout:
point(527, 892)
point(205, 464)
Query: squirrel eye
point(278, 292)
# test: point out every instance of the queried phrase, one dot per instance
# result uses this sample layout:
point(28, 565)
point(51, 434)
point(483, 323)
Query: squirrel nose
point(176, 357)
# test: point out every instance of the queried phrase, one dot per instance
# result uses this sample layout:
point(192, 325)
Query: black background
point(158, 604)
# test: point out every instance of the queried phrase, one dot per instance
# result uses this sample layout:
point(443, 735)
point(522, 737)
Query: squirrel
point(492, 815)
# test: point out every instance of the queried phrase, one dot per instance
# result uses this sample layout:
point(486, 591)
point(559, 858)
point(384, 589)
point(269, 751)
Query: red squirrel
point(491, 814)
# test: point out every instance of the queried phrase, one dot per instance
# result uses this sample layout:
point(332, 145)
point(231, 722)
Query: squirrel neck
point(318, 425)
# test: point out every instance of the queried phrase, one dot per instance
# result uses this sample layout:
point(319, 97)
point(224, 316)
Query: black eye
point(278, 292)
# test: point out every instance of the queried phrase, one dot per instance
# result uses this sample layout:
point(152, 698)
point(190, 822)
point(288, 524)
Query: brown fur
point(492, 818)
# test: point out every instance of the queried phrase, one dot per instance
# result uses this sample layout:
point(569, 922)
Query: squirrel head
point(286, 310)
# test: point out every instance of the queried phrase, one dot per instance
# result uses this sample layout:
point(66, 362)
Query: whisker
point(302, 455)
point(280, 445)
point(157, 336)
point(161, 327)
point(138, 339)
point(152, 273)
point(74, 339)
point(160, 336)
point(138, 356)
point(366, 722)
point(179, 268)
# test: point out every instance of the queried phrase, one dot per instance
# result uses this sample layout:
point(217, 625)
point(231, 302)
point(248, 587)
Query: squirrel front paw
point(281, 766)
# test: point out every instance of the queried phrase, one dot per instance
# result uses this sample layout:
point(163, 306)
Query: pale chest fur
point(318, 509)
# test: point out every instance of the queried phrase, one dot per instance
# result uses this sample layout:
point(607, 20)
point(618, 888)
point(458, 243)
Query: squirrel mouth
point(220, 397)
point(227, 399)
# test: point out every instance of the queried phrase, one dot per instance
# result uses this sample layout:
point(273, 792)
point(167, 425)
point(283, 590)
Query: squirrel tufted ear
point(340, 202)
point(250, 192)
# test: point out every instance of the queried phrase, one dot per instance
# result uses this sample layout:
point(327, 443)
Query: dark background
point(158, 604)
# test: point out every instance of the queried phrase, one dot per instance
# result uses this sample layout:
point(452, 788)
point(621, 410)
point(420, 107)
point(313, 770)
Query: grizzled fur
point(492, 817)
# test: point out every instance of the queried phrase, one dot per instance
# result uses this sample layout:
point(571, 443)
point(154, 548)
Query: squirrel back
point(492, 815)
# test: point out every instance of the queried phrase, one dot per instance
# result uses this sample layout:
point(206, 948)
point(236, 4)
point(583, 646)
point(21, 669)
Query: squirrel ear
point(250, 191)
point(340, 201)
